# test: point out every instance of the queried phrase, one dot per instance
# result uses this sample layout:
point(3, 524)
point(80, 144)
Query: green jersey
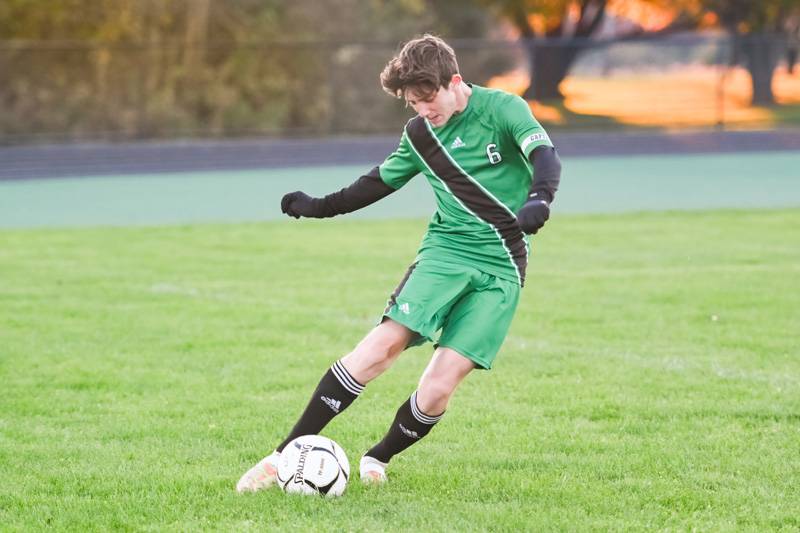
point(477, 164)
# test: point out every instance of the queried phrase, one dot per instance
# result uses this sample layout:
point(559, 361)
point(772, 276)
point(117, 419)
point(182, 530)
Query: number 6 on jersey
point(494, 156)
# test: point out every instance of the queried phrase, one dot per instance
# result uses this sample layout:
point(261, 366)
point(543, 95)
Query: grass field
point(651, 379)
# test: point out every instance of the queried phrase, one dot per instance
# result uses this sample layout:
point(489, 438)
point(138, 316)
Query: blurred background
point(112, 87)
point(144, 69)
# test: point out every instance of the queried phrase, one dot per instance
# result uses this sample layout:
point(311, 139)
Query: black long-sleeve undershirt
point(546, 173)
point(365, 191)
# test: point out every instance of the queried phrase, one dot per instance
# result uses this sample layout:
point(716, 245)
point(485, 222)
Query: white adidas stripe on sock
point(346, 379)
point(419, 415)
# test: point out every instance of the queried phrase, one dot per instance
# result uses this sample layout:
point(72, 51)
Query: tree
point(357, 39)
point(143, 68)
point(760, 30)
point(550, 29)
point(555, 32)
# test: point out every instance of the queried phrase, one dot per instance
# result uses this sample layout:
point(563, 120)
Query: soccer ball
point(313, 464)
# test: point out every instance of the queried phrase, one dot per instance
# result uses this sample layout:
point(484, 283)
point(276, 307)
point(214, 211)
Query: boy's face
point(437, 107)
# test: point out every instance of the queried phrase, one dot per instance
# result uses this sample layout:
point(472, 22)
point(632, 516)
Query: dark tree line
point(144, 68)
point(150, 68)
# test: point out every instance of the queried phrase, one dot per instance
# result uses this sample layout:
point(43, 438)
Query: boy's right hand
point(297, 204)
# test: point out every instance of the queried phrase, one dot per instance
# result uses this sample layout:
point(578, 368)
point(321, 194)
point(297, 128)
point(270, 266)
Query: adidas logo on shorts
point(335, 405)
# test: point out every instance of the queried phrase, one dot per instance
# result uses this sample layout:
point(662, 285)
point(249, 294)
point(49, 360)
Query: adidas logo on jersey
point(405, 308)
point(458, 143)
point(335, 405)
point(408, 432)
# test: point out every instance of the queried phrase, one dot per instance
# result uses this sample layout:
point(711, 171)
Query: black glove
point(298, 204)
point(533, 215)
point(365, 191)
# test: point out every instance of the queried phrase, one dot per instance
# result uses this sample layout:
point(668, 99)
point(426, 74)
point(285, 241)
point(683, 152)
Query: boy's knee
point(377, 351)
point(433, 394)
point(386, 341)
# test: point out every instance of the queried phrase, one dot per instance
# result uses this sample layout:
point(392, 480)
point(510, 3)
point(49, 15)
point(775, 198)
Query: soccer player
point(494, 172)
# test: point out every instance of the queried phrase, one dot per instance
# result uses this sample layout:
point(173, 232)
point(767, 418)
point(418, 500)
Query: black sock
point(410, 425)
point(336, 391)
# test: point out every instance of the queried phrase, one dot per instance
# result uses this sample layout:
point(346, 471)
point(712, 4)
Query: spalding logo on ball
point(313, 464)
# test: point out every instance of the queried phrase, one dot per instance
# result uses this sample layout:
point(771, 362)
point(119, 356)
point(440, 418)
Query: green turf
point(651, 379)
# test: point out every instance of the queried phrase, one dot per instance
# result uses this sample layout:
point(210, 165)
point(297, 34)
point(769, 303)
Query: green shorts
point(472, 309)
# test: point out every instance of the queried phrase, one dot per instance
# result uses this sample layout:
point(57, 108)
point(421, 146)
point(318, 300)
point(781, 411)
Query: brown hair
point(424, 64)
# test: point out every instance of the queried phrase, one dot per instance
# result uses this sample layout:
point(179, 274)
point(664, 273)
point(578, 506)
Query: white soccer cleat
point(373, 472)
point(262, 476)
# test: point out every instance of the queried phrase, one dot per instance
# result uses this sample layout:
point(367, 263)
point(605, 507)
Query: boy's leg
point(345, 380)
point(445, 372)
point(337, 389)
point(417, 416)
point(472, 333)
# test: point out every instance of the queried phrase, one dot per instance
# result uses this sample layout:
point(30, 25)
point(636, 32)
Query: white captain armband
point(536, 137)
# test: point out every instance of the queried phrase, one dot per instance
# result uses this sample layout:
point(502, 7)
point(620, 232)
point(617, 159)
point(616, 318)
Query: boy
point(476, 147)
